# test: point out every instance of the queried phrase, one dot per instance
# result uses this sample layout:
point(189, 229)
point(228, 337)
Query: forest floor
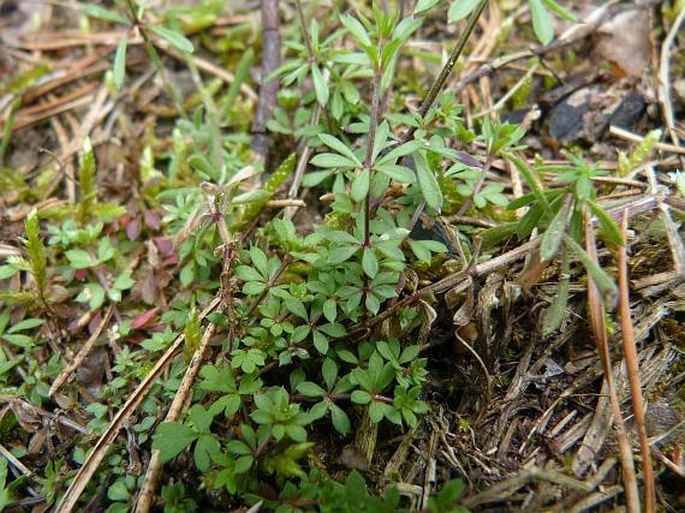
point(149, 276)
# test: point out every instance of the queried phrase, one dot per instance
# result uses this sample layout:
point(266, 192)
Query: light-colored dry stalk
point(598, 323)
point(90, 466)
point(633, 371)
point(154, 469)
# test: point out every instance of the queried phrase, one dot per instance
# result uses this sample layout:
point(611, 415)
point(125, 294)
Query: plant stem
point(447, 68)
point(370, 141)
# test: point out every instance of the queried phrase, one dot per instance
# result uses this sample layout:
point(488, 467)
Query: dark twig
point(271, 60)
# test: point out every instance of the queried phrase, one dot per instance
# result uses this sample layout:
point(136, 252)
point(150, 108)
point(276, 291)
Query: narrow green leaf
point(354, 26)
point(430, 189)
point(95, 11)
point(460, 9)
point(554, 315)
point(551, 239)
point(424, 5)
point(370, 263)
point(608, 224)
point(333, 160)
point(606, 286)
point(310, 389)
point(542, 22)
point(320, 85)
point(340, 147)
point(560, 10)
point(173, 37)
point(360, 185)
point(119, 68)
point(527, 173)
point(341, 422)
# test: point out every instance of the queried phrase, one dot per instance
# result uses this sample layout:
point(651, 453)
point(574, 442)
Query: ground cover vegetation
point(331, 256)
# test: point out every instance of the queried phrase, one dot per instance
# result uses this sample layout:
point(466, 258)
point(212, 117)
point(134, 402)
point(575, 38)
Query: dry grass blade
point(85, 351)
point(154, 469)
point(630, 355)
point(596, 306)
point(91, 464)
point(664, 86)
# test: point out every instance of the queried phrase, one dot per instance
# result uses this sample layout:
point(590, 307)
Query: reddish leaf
point(152, 219)
point(133, 229)
point(165, 245)
point(144, 318)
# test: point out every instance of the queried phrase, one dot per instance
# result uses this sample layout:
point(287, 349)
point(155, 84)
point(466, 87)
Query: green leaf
point(119, 68)
point(332, 160)
point(399, 173)
point(430, 189)
point(555, 313)
point(259, 260)
point(95, 11)
point(320, 342)
point(606, 286)
point(523, 168)
point(311, 389)
point(551, 239)
point(118, 491)
point(357, 30)
point(424, 5)
point(341, 254)
point(243, 464)
point(296, 307)
point(253, 288)
point(460, 9)
point(173, 37)
point(171, 439)
point(369, 263)
point(247, 273)
point(609, 226)
point(340, 147)
point(360, 185)
point(206, 446)
point(320, 85)
point(330, 310)
point(7, 271)
point(560, 10)
point(329, 370)
point(542, 22)
point(19, 340)
point(26, 324)
point(341, 422)
point(80, 259)
point(124, 281)
point(360, 397)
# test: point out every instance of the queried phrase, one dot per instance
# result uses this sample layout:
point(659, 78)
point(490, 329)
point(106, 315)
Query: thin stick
point(78, 360)
point(629, 136)
point(90, 466)
point(663, 89)
point(598, 322)
point(630, 355)
point(447, 68)
point(154, 469)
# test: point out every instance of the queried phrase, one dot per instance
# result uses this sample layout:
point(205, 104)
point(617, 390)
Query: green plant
point(300, 346)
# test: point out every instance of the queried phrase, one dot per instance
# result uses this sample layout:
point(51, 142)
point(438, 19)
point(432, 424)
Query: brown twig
point(598, 323)
point(630, 355)
point(271, 60)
